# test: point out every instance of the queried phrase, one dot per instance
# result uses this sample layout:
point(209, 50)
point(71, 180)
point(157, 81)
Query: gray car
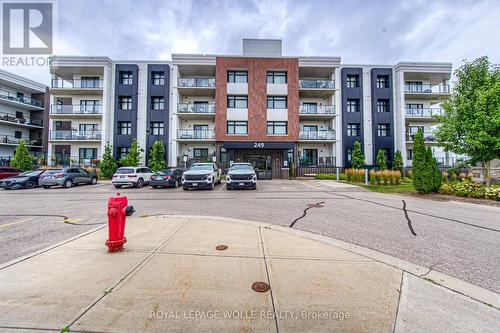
point(67, 177)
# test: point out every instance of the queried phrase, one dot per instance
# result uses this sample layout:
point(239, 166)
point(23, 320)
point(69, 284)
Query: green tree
point(397, 163)
point(22, 158)
point(157, 156)
point(471, 121)
point(108, 164)
point(133, 157)
point(358, 159)
point(432, 165)
point(381, 160)
point(421, 172)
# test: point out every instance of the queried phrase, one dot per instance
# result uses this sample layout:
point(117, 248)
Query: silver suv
point(201, 175)
point(241, 175)
point(67, 177)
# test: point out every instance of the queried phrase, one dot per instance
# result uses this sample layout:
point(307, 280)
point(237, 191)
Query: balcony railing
point(317, 109)
point(317, 84)
point(424, 113)
point(427, 88)
point(196, 82)
point(191, 160)
point(75, 135)
point(77, 84)
point(10, 139)
point(317, 135)
point(20, 99)
point(196, 107)
point(22, 121)
point(189, 134)
point(321, 161)
point(428, 137)
point(76, 109)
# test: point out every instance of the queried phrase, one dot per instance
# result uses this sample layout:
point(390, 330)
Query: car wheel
point(254, 187)
point(30, 184)
point(68, 183)
point(176, 184)
point(154, 186)
point(117, 186)
point(140, 183)
point(212, 186)
point(228, 188)
point(93, 181)
point(45, 186)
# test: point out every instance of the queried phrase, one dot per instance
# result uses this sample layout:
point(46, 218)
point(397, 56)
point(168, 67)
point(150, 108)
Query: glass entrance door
point(263, 167)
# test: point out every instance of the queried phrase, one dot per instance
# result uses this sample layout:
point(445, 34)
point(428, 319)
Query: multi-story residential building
point(272, 110)
point(22, 112)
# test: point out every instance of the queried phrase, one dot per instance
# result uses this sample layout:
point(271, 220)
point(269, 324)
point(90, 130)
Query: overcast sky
point(372, 32)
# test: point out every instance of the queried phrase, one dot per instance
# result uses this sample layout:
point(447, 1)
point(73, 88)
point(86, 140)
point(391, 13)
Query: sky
point(359, 31)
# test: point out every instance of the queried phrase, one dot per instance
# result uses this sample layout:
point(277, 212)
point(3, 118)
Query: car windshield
point(197, 167)
point(31, 173)
point(125, 170)
point(241, 167)
point(166, 172)
point(53, 171)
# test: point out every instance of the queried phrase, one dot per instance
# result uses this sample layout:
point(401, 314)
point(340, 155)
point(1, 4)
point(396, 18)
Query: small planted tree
point(397, 163)
point(433, 169)
point(108, 164)
point(358, 159)
point(133, 158)
point(381, 160)
point(157, 156)
point(421, 172)
point(22, 158)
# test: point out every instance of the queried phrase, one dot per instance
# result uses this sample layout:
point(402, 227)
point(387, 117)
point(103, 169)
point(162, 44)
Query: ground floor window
point(309, 157)
point(237, 127)
point(277, 127)
point(409, 154)
point(200, 152)
point(88, 153)
point(122, 152)
point(348, 154)
point(157, 128)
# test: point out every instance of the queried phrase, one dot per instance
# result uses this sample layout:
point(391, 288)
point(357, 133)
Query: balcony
point(425, 114)
point(16, 100)
point(323, 161)
point(317, 135)
point(427, 90)
point(76, 110)
point(94, 135)
point(316, 84)
point(196, 86)
point(428, 137)
point(11, 140)
point(196, 110)
point(195, 135)
point(10, 119)
point(77, 86)
point(316, 111)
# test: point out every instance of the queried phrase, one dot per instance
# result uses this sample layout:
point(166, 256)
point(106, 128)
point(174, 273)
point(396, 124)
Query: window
point(309, 157)
point(87, 153)
point(384, 130)
point(310, 128)
point(237, 127)
point(89, 105)
point(353, 129)
point(19, 115)
point(382, 81)
point(348, 154)
point(382, 105)
point(352, 81)
point(353, 105)
point(276, 77)
point(88, 127)
point(89, 82)
point(157, 103)
point(414, 86)
point(124, 128)
point(157, 128)
point(200, 152)
point(414, 106)
point(122, 152)
point(237, 102)
point(18, 134)
point(125, 78)
point(277, 127)
point(158, 78)
point(276, 102)
point(409, 154)
point(237, 76)
point(125, 102)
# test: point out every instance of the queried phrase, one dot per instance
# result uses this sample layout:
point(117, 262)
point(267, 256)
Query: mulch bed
point(446, 197)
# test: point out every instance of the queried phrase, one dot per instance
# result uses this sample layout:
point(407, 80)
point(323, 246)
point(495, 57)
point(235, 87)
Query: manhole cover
point(260, 287)
point(221, 247)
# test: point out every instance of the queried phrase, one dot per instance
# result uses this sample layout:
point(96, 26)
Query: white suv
point(133, 176)
point(201, 175)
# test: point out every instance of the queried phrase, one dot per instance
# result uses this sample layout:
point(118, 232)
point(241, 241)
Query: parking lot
point(459, 239)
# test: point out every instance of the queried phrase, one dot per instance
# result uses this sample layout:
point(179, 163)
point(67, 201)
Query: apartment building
point(22, 113)
point(274, 111)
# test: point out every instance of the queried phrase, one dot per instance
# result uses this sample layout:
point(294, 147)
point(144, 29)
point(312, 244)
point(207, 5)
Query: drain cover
point(221, 247)
point(260, 287)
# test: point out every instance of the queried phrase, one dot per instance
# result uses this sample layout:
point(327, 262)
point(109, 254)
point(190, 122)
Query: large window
point(353, 129)
point(237, 127)
point(89, 82)
point(348, 154)
point(309, 157)
point(384, 130)
point(382, 105)
point(414, 86)
point(276, 102)
point(200, 152)
point(237, 102)
point(237, 76)
point(124, 128)
point(382, 81)
point(87, 153)
point(18, 134)
point(122, 152)
point(89, 105)
point(157, 103)
point(352, 81)
point(353, 105)
point(277, 127)
point(158, 78)
point(125, 102)
point(88, 127)
point(125, 78)
point(276, 77)
point(157, 128)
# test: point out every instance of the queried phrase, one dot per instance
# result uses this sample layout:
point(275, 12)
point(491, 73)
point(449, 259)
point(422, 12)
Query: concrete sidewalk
point(172, 278)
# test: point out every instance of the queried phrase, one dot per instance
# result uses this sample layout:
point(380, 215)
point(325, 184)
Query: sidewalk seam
point(399, 301)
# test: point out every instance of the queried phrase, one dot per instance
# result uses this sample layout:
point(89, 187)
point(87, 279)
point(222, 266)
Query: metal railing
point(191, 160)
point(424, 113)
point(427, 88)
point(73, 161)
point(22, 121)
point(75, 135)
point(428, 137)
point(10, 139)
point(76, 109)
point(317, 135)
point(196, 82)
point(317, 109)
point(321, 161)
point(196, 108)
point(188, 134)
point(20, 99)
point(77, 84)
point(317, 84)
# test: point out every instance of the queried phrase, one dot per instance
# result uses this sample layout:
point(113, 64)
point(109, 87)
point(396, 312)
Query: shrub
point(397, 176)
point(470, 176)
point(436, 174)
point(373, 176)
point(133, 157)
point(453, 177)
point(381, 160)
point(444, 177)
point(22, 158)
point(326, 176)
point(358, 159)
point(397, 163)
point(108, 164)
point(378, 177)
point(462, 176)
point(409, 174)
point(470, 190)
point(406, 180)
point(157, 156)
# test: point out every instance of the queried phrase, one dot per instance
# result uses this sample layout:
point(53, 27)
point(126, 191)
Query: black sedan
point(166, 178)
point(28, 179)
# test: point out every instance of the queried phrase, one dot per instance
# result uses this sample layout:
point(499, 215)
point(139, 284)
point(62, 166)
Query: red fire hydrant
point(118, 210)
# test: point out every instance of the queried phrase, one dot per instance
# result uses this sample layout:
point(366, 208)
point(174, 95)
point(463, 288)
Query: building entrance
point(262, 165)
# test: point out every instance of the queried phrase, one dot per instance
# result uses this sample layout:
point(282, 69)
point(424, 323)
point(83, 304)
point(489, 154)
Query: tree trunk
point(487, 166)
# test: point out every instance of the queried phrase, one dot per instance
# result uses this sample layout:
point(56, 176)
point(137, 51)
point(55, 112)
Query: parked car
point(28, 179)
point(132, 176)
point(201, 175)
point(67, 177)
point(6, 171)
point(167, 178)
point(241, 175)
